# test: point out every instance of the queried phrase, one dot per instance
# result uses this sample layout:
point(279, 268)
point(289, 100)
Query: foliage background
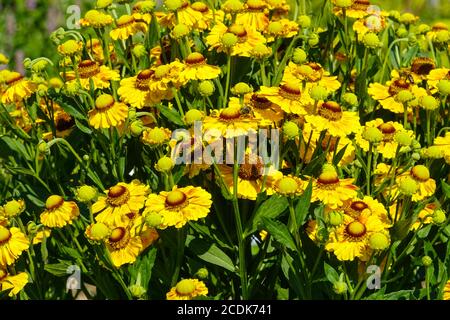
point(25, 25)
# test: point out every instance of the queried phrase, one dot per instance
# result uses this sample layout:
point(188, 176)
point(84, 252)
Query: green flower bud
point(299, 56)
point(318, 93)
point(229, 39)
point(241, 89)
point(291, 130)
point(173, 5)
point(304, 21)
point(444, 87)
point(313, 40)
point(408, 186)
point(139, 51)
point(340, 287)
point(202, 273)
point(379, 241)
point(192, 116)
point(153, 220)
point(350, 99)
point(427, 261)
point(335, 218)
point(86, 194)
point(136, 128)
point(180, 31)
point(371, 40)
point(429, 103)
point(137, 291)
point(373, 135)
point(403, 138)
point(165, 164)
point(206, 88)
point(439, 216)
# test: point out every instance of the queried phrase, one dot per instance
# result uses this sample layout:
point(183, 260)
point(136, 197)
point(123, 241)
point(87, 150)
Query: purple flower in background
point(53, 18)
point(31, 4)
point(10, 24)
point(19, 57)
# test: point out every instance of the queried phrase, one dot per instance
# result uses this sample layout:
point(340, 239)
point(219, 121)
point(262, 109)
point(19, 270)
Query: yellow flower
point(12, 244)
point(289, 186)
point(64, 125)
point(312, 74)
point(247, 39)
point(3, 59)
point(254, 15)
point(107, 113)
point(283, 28)
point(156, 136)
point(196, 68)
point(123, 246)
point(386, 95)
point(351, 239)
point(96, 19)
point(288, 97)
point(121, 202)
point(12, 208)
point(427, 185)
point(179, 206)
point(90, 70)
point(187, 289)
point(165, 77)
point(58, 212)
point(39, 236)
point(444, 144)
point(334, 144)
point(15, 283)
point(254, 177)
point(425, 216)
point(208, 16)
point(446, 295)
point(331, 190)
point(229, 122)
point(129, 25)
point(388, 146)
point(18, 88)
point(70, 48)
point(135, 91)
point(356, 207)
point(336, 122)
point(359, 9)
point(437, 75)
point(373, 23)
point(261, 107)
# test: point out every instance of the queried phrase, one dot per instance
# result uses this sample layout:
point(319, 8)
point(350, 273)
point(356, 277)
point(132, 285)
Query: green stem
point(181, 240)
point(227, 84)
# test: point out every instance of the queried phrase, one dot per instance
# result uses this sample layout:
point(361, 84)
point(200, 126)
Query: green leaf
point(279, 232)
point(141, 271)
point(338, 157)
point(331, 274)
point(423, 233)
point(445, 189)
point(211, 253)
point(171, 114)
point(16, 145)
point(58, 269)
point(80, 125)
point(271, 208)
point(302, 208)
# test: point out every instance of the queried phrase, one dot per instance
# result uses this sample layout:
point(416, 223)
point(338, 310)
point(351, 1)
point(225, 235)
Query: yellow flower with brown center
point(355, 207)
point(288, 96)
point(332, 191)
point(18, 88)
point(254, 15)
point(123, 247)
point(352, 238)
point(166, 77)
point(12, 243)
point(121, 202)
point(358, 9)
point(135, 91)
point(96, 19)
point(58, 212)
point(373, 23)
point(254, 177)
point(208, 16)
point(229, 122)
point(179, 206)
point(422, 66)
point(334, 120)
point(388, 146)
point(156, 136)
point(437, 75)
point(185, 15)
point(64, 125)
point(247, 39)
point(129, 25)
point(289, 186)
point(334, 144)
point(386, 95)
point(196, 68)
point(426, 185)
point(435, 29)
point(107, 113)
point(187, 289)
point(261, 107)
point(90, 70)
point(310, 74)
point(14, 283)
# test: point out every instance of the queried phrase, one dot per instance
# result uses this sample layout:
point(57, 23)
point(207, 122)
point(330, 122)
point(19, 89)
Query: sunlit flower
point(12, 243)
point(129, 25)
point(180, 205)
point(18, 88)
point(121, 203)
point(283, 28)
point(254, 15)
point(96, 19)
point(310, 74)
point(156, 136)
point(289, 97)
point(444, 145)
point(123, 247)
point(437, 75)
point(58, 212)
point(196, 68)
point(427, 185)
point(90, 70)
point(425, 216)
point(208, 16)
point(334, 120)
point(261, 107)
point(107, 113)
point(187, 289)
point(15, 283)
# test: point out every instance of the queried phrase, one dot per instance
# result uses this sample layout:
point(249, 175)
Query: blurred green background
point(25, 25)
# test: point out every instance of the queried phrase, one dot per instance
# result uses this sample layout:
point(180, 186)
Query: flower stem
point(227, 85)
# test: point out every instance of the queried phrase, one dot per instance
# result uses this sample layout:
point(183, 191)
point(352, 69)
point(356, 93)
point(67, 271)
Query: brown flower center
point(239, 31)
point(88, 69)
point(143, 80)
point(200, 7)
point(14, 79)
point(361, 5)
point(251, 170)
point(230, 114)
point(388, 131)
point(356, 229)
point(420, 173)
point(118, 196)
point(54, 202)
point(175, 198)
point(397, 86)
point(195, 58)
point(290, 91)
point(119, 238)
point(439, 26)
point(328, 180)
point(330, 110)
point(260, 102)
point(356, 208)
point(255, 6)
point(64, 122)
point(422, 66)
